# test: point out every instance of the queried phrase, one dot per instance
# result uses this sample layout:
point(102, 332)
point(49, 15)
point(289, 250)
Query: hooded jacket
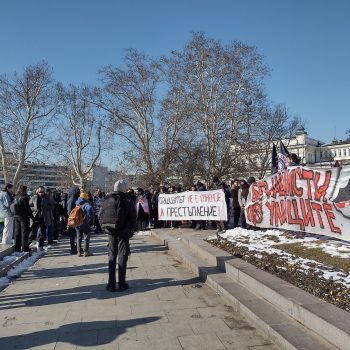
point(5, 202)
point(73, 195)
point(87, 212)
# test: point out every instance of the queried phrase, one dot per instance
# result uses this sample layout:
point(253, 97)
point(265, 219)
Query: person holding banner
point(294, 160)
point(202, 224)
point(242, 198)
point(235, 202)
point(143, 209)
point(220, 226)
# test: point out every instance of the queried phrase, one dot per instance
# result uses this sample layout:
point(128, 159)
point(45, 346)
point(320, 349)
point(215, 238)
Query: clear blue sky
point(306, 43)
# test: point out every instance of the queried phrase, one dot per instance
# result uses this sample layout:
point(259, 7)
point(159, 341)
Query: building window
point(344, 152)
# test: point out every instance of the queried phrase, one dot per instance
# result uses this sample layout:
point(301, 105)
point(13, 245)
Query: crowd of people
point(236, 192)
point(28, 219)
point(32, 218)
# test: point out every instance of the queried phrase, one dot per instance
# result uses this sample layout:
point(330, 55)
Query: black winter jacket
point(23, 209)
point(118, 215)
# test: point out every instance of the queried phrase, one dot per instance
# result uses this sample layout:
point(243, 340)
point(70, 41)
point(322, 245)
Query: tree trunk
point(3, 159)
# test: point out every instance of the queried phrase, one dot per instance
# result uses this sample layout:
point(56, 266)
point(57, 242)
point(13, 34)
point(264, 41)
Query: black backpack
point(114, 213)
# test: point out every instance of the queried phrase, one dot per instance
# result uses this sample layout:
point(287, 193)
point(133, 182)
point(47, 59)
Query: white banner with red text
point(193, 205)
point(315, 200)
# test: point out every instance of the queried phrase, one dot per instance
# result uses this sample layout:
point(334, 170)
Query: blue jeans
point(83, 232)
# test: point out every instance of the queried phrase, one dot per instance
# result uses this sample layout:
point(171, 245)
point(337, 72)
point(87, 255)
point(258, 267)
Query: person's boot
point(73, 249)
point(111, 286)
point(122, 285)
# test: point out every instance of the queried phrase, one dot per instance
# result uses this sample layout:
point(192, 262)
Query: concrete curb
point(4, 270)
point(244, 285)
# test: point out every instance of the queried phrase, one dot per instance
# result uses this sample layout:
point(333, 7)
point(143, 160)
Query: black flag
point(274, 166)
point(282, 157)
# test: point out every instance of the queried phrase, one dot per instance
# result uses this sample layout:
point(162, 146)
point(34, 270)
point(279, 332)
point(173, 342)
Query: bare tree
point(129, 96)
point(270, 125)
point(27, 102)
point(80, 136)
point(218, 80)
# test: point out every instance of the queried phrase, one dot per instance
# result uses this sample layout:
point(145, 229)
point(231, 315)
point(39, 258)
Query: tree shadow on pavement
point(84, 334)
point(57, 272)
point(88, 292)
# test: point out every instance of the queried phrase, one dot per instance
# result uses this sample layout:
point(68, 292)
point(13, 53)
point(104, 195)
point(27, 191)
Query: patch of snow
point(4, 282)
point(25, 264)
point(9, 258)
point(142, 233)
point(267, 242)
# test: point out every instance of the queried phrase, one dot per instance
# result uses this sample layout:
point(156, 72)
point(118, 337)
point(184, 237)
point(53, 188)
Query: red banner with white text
point(314, 200)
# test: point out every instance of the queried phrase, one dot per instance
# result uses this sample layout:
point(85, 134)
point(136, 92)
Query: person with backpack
point(22, 215)
point(118, 219)
point(6, 198)
point(83, 230)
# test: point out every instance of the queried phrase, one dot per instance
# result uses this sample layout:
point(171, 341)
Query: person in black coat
point(22, 216)
point(235, 202)
point(73, 195)
point(118, 219)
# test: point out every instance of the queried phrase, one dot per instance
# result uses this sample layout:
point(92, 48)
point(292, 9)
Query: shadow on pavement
point(87, 292)
point(76, 270)
point(85, 334)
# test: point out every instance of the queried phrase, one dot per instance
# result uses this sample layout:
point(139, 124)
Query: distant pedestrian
point(42, 207)
point(1, 227)
point(73, 195)
point(118, 219)
point(22, 216)
point(83, 231)
point(6, 198)
point(235, 202)
point(220, 225)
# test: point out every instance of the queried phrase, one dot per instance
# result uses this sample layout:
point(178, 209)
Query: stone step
point(282, 329)
point(6, 250)
point(323, 318)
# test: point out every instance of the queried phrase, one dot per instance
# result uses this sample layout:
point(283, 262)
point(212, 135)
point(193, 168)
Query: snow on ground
point(142, 233)
point(20, 268)
point(259, 242)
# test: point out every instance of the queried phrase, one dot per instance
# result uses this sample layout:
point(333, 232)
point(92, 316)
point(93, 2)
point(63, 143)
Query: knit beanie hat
point(120, 186)
point(84, 195)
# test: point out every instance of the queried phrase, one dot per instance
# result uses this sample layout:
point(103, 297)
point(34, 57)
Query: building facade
point(39, 174)
point(317, 153)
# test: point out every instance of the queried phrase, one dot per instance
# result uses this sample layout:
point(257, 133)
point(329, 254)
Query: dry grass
point(316, 254)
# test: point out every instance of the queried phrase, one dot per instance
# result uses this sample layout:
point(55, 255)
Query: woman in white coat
point(6, 198)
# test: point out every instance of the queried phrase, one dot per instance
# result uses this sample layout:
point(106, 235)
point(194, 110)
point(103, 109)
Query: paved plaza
point(61, 303)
